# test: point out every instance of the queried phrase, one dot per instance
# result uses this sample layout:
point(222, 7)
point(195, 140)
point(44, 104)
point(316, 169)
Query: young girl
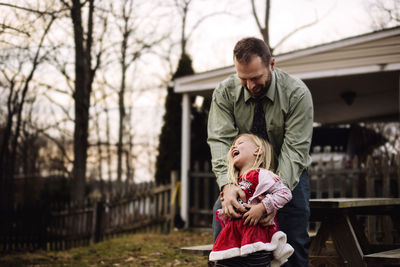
point(250, 159)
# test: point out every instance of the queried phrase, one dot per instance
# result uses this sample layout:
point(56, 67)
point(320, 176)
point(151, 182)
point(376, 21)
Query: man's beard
point(267, 84)
point(269, 80)
point(264, 88)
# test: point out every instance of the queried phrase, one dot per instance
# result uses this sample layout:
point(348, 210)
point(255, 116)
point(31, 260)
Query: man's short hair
point(248, 47)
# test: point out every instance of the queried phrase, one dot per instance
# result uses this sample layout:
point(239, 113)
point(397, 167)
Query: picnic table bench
point(389, 257)
point(203, 250)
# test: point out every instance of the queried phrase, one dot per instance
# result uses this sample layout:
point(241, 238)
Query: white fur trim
point(283, 250)
point(280, 250)
point(224, 254)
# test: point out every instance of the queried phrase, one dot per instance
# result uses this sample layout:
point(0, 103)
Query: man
point(266, 101)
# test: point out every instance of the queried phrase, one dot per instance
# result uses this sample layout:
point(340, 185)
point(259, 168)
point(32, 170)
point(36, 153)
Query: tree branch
point(65, 111)
point(287, 36)
point(253, 7)
point(40, 12)
point(201, 20)
point(4, 27)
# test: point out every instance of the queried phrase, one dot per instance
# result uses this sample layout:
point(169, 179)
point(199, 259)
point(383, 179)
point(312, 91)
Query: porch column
point(185, 158)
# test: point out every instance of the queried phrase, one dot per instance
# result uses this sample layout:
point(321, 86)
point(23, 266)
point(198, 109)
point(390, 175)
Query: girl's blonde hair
point(264, 159)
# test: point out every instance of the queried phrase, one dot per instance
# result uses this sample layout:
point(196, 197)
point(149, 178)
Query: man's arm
point(221, 132)
point(294, 156)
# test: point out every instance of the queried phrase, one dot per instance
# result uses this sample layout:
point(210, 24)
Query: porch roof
point(362, 70)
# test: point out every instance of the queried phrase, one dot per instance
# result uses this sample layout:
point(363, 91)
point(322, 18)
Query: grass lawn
point(140, 249)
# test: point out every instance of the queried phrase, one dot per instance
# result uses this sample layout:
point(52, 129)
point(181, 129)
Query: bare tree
point(169, 144)
point(131, 48)
point(129, 156)
point(99, 150)
point(265, 28)
point(105, 91)
point(108, 149)
point(86, 64)
point(18, 82)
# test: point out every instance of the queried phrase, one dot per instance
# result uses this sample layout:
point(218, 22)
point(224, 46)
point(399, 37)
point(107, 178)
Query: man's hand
point(230, 205)
point(254, 214)
point(268, 220)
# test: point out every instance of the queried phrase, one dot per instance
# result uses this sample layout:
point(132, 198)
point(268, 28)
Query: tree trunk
point(83, 83)
point(100, 155)
point(5, 186)
point(108, 148)
point(122, 113)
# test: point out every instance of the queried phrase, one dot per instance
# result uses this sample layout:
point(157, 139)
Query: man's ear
point(272, 63)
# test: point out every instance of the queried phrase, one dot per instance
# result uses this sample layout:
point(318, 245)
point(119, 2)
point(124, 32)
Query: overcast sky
point(212, 43)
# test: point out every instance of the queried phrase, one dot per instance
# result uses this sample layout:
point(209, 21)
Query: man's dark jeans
point(293, 221)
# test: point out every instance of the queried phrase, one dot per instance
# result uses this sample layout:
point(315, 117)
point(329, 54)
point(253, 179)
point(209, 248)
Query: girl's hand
point(269, 218)
point(254, 214)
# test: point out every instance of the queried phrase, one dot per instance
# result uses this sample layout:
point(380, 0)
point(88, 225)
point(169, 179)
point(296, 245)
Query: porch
point(352, 80)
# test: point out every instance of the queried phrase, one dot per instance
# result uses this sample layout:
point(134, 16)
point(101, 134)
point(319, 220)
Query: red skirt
point(237, 239)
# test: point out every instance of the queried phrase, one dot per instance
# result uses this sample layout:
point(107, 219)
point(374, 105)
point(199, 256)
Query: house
point(354, 79)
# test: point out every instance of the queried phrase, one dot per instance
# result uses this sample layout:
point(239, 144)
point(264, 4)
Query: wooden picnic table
point(338, 221)
point(338, 217)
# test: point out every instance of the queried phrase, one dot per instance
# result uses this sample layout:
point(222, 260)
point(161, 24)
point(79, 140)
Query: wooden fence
point(380, 177)
point(66, 225)
point(203, 192)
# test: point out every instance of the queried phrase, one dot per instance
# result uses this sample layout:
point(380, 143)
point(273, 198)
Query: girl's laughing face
point(244, 153)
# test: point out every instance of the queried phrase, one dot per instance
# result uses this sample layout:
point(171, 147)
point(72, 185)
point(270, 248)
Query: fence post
point(398, 173)
point(369, 178)
point(320, 178)
point(98, 217)
point(174, 178)
point(331, 177)
point(385, 165)
point(387, 226)
point(94, 222)
point(206, 188)
point(196, 185)
point(356, 176)
point(370, 192)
